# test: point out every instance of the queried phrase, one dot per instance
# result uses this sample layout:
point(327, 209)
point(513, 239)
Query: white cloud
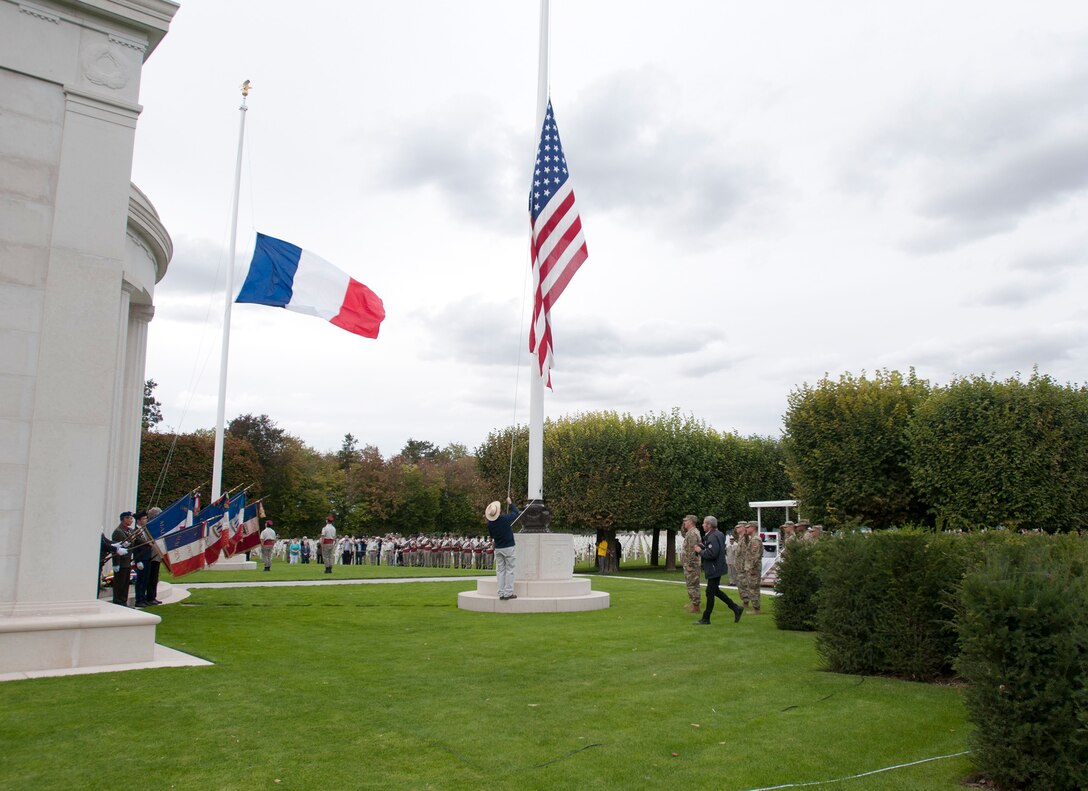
point(864, 187)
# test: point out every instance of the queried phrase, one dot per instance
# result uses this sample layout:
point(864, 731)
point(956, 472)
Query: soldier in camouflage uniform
point(750, 560)
point(731, 545)
point(692, 562)
point(789, 535)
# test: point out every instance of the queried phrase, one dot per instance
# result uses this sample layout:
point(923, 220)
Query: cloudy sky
point(769, 191)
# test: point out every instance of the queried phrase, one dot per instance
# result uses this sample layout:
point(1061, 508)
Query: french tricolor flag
point(284, 275)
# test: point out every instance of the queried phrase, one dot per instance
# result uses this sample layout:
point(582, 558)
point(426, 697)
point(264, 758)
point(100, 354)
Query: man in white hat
point(501, 528)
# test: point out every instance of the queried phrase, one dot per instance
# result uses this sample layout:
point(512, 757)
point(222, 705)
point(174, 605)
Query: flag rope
point(517, 380)
point(160, 482)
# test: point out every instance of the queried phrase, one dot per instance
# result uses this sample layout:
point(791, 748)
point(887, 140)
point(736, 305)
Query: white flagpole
point(536, 377)
point(217, 462)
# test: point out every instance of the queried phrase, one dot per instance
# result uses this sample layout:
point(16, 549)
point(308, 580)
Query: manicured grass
point(393, 687)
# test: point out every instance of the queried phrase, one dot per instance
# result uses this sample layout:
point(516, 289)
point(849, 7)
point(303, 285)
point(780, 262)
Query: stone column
point(69, 85)
point(132, 402)
point(114, 502)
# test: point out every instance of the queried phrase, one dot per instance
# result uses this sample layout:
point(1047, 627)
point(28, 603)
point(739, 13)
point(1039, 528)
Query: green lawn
point(285, 571)
point(391, 686)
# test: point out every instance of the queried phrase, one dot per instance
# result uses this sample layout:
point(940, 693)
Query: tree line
point(420, 489)
point(892, 449)
point(878, 451)
point(603, 472)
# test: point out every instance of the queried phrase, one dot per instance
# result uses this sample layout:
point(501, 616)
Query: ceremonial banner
point(251, 528)
point(216, 531)
point(234, 511)
point(174, 517)
point(183, 550)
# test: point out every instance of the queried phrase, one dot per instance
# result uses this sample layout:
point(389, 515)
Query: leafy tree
point(420, 498)
point(503, 462)
point(1009, 453)
point(689, 462)
point(152, 410)
point(705, 472)
point(463, 498)
point(262, 433)
point(365, 489)
point(286, 462)
point(846, 447)
point(428, 496)
point(762, 471)
point(171, 466)
point(452, 452)
point(417, 450)
point(643, 473)
point(305, 488)
point(348, 452)
point(599, 475)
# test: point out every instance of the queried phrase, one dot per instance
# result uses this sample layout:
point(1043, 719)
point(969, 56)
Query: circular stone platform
point(543, 581)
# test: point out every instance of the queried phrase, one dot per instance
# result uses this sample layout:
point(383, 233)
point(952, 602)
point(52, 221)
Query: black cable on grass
point(475, 766)
point(446, 749)
point(568, 755)
point(825, 697)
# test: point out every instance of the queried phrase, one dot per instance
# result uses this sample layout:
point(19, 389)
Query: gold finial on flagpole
point(245, 88)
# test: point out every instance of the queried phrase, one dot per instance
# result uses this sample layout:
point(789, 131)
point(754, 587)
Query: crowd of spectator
point(446, 551)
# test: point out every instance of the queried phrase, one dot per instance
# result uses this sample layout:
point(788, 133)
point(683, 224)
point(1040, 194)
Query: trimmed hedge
point(797, 586)
point(1024, 651)
point(884, 604)
point(886, 601)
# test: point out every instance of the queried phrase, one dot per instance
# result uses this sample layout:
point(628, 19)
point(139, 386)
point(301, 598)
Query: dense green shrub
point(1024, 651)
point(797, 585)
point(1011, 453)
point(846, 449)
point(885, 603)
point(888, 449)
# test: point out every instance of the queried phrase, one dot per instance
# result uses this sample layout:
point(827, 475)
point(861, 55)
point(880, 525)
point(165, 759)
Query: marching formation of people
point(445, 551)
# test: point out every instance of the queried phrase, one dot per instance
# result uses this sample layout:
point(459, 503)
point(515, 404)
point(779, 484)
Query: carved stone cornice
point(38, 13)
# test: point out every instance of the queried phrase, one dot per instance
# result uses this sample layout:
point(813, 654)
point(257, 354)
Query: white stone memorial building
point(81, 249)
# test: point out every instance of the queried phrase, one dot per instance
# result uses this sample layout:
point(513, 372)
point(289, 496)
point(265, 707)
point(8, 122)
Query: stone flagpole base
point(543, 580)
point(236, 563)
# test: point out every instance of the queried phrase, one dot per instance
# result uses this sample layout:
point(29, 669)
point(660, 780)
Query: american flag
point(558, 245)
